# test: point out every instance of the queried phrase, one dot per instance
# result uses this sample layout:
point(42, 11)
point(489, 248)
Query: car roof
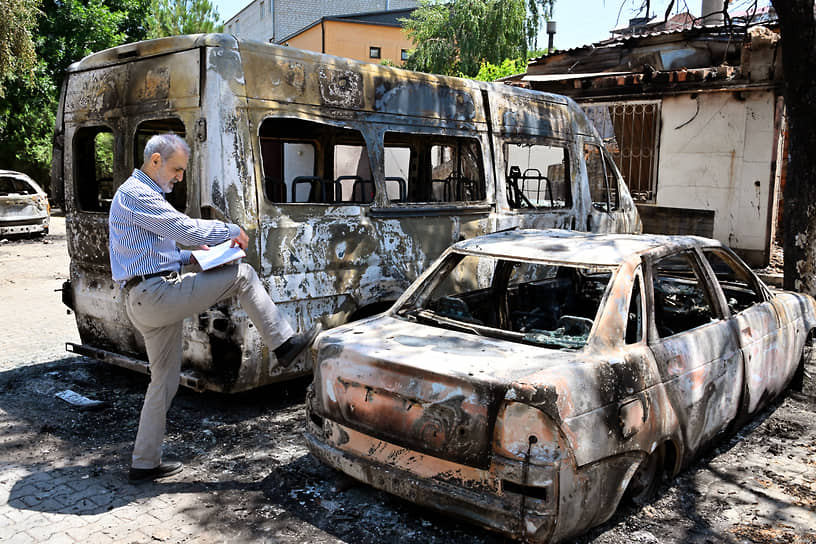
point(576, 248)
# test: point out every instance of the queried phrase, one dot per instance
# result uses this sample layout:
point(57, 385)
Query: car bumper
point(455, 490)
point(39, 224)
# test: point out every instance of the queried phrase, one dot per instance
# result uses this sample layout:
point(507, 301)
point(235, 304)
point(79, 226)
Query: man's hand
point(241, 240)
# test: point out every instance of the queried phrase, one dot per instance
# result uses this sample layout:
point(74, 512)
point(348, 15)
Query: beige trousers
point(158, 306)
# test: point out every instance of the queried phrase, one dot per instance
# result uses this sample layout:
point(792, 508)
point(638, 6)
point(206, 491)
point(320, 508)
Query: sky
point(578, 22)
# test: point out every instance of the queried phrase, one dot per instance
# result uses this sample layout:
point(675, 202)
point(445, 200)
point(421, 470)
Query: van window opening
point(308, 162)
point(422, 168)
point(603, 187)
point(178, 198)
point(538, 176)
point(93, 160)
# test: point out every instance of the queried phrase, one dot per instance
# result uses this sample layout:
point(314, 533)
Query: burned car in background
point(528, 380)
point(24, 206)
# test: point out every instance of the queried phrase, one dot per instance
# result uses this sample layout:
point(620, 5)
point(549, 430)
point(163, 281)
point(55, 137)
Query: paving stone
point(61, 538)
point(42, 533)
point(20, 538)
point(146, 520)
point(136, 537)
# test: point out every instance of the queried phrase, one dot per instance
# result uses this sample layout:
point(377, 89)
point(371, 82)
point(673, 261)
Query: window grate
point(630, 132)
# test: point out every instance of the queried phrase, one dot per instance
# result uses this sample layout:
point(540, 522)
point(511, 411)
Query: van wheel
point(647, 478)
point(802, 380)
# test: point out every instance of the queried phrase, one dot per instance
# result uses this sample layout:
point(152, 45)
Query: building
point(368, 37)
point(695, 121)
point(273, 20)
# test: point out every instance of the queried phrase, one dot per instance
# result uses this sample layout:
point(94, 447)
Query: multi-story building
point(369, 37)
point(273, 20)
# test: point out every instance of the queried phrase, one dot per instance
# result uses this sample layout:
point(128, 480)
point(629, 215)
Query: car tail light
point(525, 433)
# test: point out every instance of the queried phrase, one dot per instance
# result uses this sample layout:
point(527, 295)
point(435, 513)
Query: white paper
point(76, 399)
point(218, 255)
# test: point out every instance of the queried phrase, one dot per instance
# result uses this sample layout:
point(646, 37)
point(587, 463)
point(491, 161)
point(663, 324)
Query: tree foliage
point(16, 46)
point(508, 67)
point(177, 17)
point(458, 36)
point(65, 31)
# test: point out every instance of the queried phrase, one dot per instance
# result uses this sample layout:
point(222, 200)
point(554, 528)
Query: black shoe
point(161, 471)
point(287, 352)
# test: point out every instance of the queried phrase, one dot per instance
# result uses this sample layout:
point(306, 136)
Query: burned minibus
point(349, 178)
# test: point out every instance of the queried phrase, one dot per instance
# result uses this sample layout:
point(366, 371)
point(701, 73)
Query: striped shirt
point(144, 229)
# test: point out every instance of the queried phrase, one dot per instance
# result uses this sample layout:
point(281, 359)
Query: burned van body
point(350, 179)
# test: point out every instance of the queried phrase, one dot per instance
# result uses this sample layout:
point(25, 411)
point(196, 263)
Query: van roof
point(151, 48)
point(163, 46)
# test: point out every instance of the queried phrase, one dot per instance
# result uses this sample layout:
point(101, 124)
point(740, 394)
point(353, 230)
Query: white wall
point(720, 160)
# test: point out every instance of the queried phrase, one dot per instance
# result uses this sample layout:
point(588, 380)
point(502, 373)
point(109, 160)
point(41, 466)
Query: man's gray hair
point(165, 145)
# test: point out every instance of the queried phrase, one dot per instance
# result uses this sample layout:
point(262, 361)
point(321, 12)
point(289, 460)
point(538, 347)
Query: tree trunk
point(798, 30)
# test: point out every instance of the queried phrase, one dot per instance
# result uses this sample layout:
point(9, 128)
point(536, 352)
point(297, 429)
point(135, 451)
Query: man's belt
point(139, 279)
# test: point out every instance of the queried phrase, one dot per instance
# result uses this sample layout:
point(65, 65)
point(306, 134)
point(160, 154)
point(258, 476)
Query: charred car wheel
point(803, 374)
point(646, 479)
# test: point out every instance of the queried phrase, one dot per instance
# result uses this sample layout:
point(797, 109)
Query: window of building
point(374, 52)
point(630, 131)
point(603, 184)
point(403, 54)
point(178, 198)
point(262, 10)
point(538, 176)
point(430, 168)
point(93, 163)
point(321, 164)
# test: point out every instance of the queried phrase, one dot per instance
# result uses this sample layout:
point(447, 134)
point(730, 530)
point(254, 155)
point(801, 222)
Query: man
point(146, 262)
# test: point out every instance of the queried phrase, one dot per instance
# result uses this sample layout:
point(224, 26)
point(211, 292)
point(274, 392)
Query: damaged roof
point(690, 60)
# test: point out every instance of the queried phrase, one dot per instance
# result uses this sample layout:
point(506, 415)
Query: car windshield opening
point(538, 303)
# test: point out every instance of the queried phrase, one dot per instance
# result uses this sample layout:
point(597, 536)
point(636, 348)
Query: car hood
point(429, 389)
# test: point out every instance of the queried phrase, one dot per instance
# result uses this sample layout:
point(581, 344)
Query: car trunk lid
point(427, 389)
point(19, 207)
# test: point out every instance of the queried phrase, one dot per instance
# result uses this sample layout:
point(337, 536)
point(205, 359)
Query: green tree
point(177, 17)
point(16, 46)
point(508, 67)
point(458, 36)
point(66, 31)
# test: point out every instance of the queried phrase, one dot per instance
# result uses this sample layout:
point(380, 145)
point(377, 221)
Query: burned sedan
point(530, 380)
point(24, 206)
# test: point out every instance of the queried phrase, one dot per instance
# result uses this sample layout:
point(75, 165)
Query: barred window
point(630, 133)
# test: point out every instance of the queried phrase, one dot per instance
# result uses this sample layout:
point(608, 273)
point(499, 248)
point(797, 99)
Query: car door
point(761, 334)
point(696, 347)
